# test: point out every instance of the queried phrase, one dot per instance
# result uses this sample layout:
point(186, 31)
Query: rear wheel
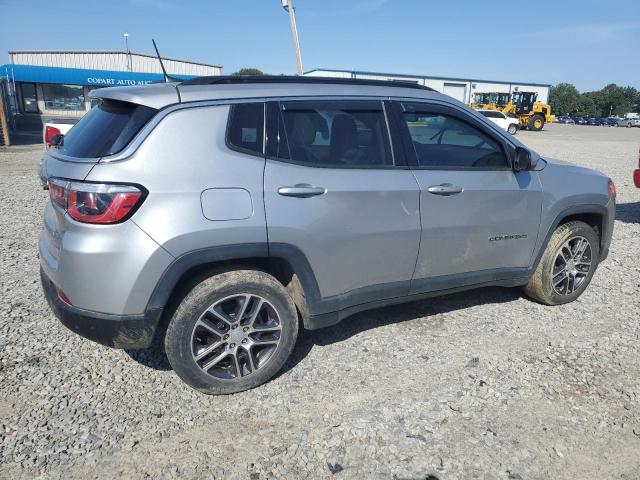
point(567, 265)
point(536, 122)
point(232, 332)
point(513, 129)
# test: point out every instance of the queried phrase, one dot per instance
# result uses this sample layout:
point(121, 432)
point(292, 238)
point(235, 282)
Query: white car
point(49, 129)
point(510, 124)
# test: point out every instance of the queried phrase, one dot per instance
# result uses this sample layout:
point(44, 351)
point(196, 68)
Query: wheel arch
point(285, 262)
point(593, 214)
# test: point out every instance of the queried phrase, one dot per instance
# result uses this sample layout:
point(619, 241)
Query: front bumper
point(117, 331)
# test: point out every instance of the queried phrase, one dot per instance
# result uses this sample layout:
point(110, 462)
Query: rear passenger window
point(336, 133)
point(245, 131)
point(445, 141)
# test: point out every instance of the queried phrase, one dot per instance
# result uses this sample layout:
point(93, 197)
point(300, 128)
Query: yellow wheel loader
point(531, 113)
point(522, 105)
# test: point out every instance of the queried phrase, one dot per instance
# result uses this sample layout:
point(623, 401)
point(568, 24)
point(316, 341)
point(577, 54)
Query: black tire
point(181, 338)
point(540, 286)
point(512, 129)
point(536, 122)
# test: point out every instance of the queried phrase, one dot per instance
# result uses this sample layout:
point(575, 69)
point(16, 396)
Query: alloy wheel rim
point(571, 266)
point(236, 336)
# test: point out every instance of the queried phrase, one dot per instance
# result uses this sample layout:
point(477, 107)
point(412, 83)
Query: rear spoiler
point(157, 95)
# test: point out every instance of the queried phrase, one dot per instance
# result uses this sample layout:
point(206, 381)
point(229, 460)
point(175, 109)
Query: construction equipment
point(490, 100)
point(523, 105)
point(531, 113)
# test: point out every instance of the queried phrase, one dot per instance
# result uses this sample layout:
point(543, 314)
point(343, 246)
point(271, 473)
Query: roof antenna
point(167, 78)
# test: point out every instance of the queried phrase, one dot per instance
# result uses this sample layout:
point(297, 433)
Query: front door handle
point(444, 189)
point(301, 190)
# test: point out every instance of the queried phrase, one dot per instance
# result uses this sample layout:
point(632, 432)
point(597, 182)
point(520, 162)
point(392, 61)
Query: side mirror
point(522, 160)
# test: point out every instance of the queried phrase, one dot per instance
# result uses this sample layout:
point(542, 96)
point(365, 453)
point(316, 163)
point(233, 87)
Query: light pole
point(290, 9)
point(126, 44)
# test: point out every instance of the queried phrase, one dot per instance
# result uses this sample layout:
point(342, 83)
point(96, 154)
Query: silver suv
point(223, 215)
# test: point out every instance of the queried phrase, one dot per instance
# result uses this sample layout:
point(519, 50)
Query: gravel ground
point(483, 384)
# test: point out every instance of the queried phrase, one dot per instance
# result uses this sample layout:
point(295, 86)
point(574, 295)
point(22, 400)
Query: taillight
point(613, 193)
point(100, 203)
point(49, 132)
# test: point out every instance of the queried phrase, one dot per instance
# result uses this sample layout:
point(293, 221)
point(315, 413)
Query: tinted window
point(340, 134)
point(105, 129)
point(445, 141)
point(246, 127)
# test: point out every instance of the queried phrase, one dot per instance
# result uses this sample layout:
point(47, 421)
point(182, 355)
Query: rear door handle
point(444, 189)
point(301, 190)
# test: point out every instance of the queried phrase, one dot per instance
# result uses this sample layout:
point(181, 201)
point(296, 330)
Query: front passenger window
point(445, 141)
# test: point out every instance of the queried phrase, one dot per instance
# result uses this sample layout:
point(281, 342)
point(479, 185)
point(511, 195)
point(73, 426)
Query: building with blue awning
point(43, 86)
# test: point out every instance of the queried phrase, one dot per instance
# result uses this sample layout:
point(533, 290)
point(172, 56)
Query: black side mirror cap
point(522, 160)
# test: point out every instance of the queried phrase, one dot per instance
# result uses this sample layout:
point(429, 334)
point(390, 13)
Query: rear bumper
point(636, 177)
point(117, 331)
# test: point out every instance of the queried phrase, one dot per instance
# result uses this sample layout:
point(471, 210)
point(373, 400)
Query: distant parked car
point(594, 122)
point(636, 173)
point(609, 122)
point(51, 129)
point(510, 124)
point(565, 119)
point(629, 122)
point(580, 120)
point(52, 134)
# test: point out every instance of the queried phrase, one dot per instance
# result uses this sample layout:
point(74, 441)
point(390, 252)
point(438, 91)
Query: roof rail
point(231, 79)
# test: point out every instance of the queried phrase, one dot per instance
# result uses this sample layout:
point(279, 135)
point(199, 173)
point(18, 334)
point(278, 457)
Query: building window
point(63, 97)
point(29, 98)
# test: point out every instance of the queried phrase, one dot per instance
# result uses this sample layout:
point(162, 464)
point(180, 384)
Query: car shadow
point(155, 357)
point(628, 212)
point(428, 310)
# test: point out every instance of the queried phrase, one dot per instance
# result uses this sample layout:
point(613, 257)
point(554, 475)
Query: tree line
point(565, 99)
point(612, 100)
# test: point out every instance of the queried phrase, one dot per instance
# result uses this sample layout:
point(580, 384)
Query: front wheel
point(535, 123)
point(513, 129)
point(232, 332)
point(567, 265)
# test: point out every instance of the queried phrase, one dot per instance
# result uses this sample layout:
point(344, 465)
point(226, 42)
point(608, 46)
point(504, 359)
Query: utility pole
point(290, 9)
point(126, 44)
point(4, 127)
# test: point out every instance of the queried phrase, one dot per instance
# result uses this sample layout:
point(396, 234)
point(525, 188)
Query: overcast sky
point(585, 42)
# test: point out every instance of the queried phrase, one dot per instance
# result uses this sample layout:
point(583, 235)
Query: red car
point(636, 173)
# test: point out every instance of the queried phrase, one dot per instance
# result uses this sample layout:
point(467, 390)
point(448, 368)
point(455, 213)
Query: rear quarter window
point(106, 129)
point(245, 128)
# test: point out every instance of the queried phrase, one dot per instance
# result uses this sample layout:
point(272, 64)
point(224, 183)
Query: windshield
point(106, 129)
